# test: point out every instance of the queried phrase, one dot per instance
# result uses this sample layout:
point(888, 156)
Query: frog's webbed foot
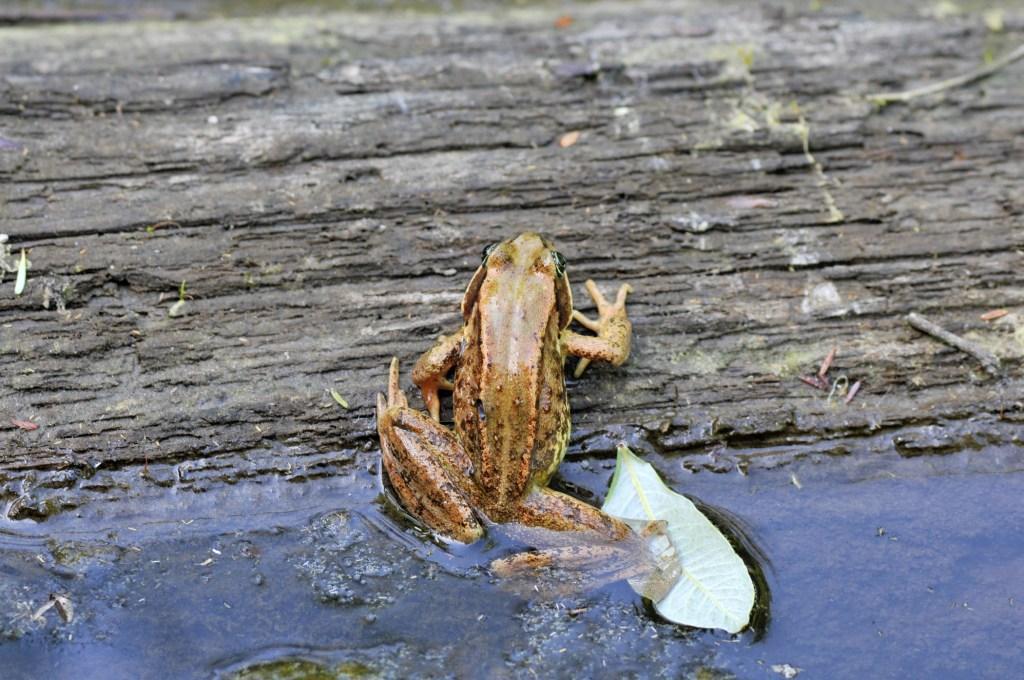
point(563, 561)
point(612, 326)
point(432, 367)
point(427, 466)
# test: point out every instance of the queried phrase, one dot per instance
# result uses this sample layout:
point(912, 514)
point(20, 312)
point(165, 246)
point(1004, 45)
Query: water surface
point(909, 569)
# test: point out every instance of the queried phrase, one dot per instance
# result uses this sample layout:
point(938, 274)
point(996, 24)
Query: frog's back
point(511, 411)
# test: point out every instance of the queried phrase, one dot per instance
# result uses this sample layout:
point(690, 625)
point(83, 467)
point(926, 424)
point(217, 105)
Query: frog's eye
point(559, 262)
point(488, 249)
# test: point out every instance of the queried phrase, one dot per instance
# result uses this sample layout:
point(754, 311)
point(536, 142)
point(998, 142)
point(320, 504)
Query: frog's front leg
point(431, 369)
point(613, 330)
point(426, 465)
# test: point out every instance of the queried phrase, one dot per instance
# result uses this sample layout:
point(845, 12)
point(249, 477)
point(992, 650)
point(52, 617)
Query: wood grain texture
point(325, 184)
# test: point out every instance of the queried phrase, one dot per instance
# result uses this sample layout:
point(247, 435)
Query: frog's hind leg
point(557, 511)
point(426, 465)
point(587, 547)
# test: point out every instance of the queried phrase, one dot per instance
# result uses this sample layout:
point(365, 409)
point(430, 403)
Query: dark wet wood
point(325, 185)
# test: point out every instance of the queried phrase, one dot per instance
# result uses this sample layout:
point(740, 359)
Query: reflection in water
point(741, 536)
point(550, 564)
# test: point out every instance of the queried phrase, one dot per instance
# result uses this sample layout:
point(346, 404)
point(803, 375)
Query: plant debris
point(751, 202)
point(709, 585)
point(569, 138)
point(786, 671)
point(165, 223)
point(994, 314)
point(816, 381)
point(176, 308)
point(827, 362)
point(563, 22)
point(338, 398)
point(64, 607)
point(62, 603)
point(988, 360)
point(883, 98)
point(19, 283)
point(26, 425)
point(837, 387)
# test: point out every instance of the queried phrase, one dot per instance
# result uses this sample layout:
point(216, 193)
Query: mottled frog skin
point(510, 405)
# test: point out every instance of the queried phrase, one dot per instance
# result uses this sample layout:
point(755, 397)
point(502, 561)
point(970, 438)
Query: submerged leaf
point(714, 589)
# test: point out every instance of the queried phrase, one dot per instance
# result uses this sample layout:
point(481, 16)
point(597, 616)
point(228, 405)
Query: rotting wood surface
point(324, 186)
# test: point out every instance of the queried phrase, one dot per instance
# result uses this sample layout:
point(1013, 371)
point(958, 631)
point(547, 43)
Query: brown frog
point(511, 410)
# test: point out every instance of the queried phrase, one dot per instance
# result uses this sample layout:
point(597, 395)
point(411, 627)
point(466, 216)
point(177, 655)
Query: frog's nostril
point(481, 414)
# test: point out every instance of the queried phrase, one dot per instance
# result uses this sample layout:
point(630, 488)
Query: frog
point(510, 405)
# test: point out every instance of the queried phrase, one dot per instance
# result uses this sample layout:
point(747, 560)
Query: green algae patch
point(303, 669)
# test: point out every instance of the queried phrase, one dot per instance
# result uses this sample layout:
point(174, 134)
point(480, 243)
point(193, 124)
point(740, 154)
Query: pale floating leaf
point(338, 398)
point(19, 282)
point(714, 589)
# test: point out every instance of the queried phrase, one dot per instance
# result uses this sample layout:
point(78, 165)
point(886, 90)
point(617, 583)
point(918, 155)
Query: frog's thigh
point(429, 471)
point(553, 510)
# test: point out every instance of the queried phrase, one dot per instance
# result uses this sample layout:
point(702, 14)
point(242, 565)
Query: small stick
point(988, 360)
point(852, 393)
point(994, 314)
point(814, 382)
point(827, 363)
point(950, 83)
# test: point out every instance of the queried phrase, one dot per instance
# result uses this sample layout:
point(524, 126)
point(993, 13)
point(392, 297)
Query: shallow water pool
point(908, 569)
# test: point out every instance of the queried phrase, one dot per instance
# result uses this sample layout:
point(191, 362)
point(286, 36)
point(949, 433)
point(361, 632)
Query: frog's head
point(526, 257)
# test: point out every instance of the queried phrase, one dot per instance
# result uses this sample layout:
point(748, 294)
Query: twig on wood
point(971, 76)
point(816, 382)
point(994, 314)
point(165, 223)
point(827, 363)
point(988, 360)
point(819, 381)
point(852, 393)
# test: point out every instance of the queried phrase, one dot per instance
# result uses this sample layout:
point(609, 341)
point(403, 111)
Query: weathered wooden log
point(317, 191)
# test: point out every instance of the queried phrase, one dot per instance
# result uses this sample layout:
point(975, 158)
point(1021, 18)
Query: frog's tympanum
point(510, 405)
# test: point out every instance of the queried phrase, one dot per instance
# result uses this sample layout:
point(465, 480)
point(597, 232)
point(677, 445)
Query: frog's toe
point(606, 309)
point(396, 397)
point(586, 321)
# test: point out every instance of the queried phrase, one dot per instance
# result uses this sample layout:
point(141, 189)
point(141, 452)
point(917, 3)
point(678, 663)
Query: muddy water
point(899, 568)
